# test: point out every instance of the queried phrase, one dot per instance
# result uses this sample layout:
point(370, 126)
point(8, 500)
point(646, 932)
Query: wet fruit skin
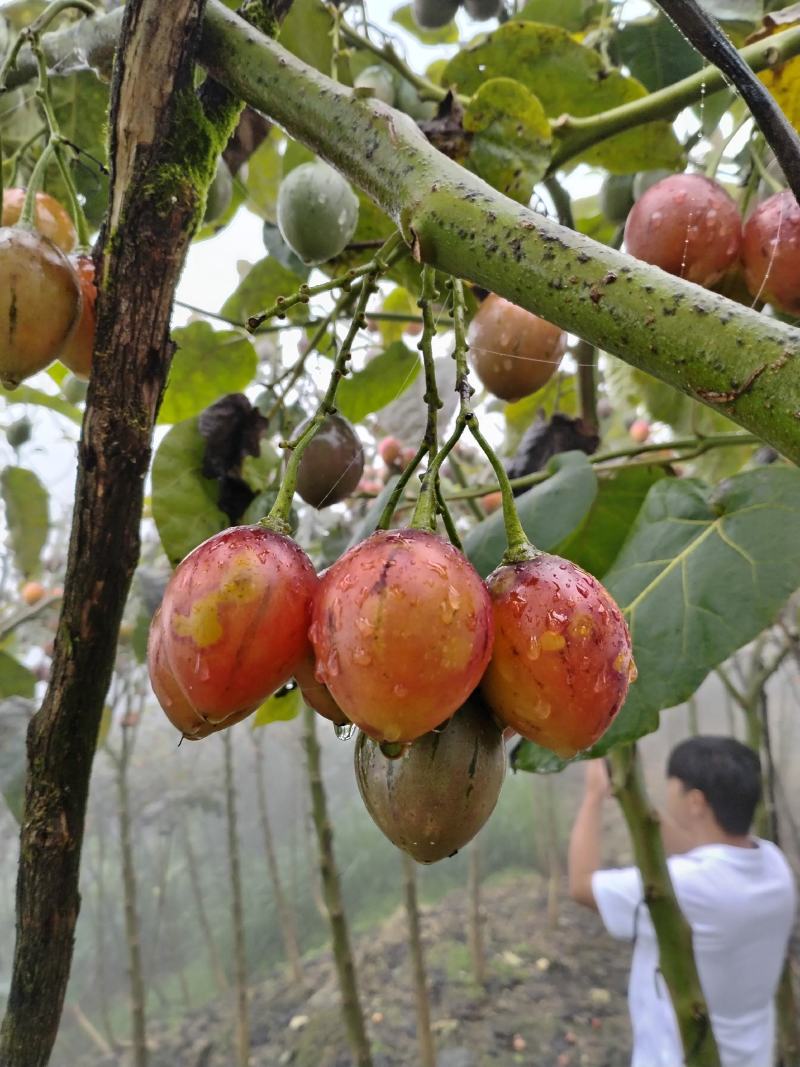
point(771, 252)
point(40, 301)
point(402, 632)
point(435, 797)
point(687, 225)
point(50, 218)
point(234, 620)
point(77, 352)
point(562, 659)
point(514, 353)
point(331, 465)
point(315, 694)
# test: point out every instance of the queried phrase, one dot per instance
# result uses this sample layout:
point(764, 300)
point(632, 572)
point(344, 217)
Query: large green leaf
point(568, 79)
point(595, 544)
point(282, 706)
point(385, 377)
point(656, 52)
point(264, 173)
point(260, 288)
point(510, 146)
point(184, 502)
point(701, 574)
point(15, 714)
point(548, 512)
point(27, 517)
point(306, 33)
point(81, 104)
point(571, 14)
point(26, 394)
point(404, 16)
point(206, 365)
point(15, 679)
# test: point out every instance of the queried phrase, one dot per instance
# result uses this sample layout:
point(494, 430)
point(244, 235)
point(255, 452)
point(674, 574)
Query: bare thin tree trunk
point(475, 923)
point(100, 934)
point(286, 914)
point(202, 915)
point(427, 1049)
point(552, 851)
point(237, 911)
point(345, 967)
point(129, 891)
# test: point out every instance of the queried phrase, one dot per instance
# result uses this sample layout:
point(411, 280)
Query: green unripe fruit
point(645, 178)
point(380, 81)
point(74, 389)
point(317, 212)
point(482, 9)
point(432, 14)
point(19, 432)
point(220, 193)
point(408, 100)
point(616, 196)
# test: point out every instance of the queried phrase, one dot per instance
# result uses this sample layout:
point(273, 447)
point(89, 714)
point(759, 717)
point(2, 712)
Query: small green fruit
point(408, 100)
point(317, 212)
point(19, 432)
point(74, 389)
point(482, 9)
point(220, 193)
point(380, 81)
point(432, 14)
point(616, 197)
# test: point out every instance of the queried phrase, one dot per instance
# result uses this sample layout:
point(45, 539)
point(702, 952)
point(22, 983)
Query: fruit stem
point(424, 517)
point(277, 519)
point(37, 27)
point(427, 90)
point(386, 515)
point(34, 184)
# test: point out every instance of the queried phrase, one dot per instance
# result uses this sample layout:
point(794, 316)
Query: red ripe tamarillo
point(562, 659)
point(402, 632)
point(232, 626)
point(771, 252)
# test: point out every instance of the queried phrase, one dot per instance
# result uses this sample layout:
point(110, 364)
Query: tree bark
point(286, 914)
point(200, 907)
point(153, 212)
point(475, 919)
point(331, 887)
point(673, 933)
point(237, 910)
point(427, 1049)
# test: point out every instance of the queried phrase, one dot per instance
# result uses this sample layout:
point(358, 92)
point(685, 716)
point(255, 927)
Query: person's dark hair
point(726, 772)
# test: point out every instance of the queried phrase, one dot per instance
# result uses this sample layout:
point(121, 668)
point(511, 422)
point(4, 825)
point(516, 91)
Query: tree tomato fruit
point(435, 797)
point(562, 658)
point(331, 464)
point(32, 592)
point(235, 618)
point(315, 694)
point(49, 217)
point(431, 14)
point(688, 225)
point(77, 352)
point(40, 301)
point(317, 212)
point(402, 632)
point(514, 353)
point(771, 252)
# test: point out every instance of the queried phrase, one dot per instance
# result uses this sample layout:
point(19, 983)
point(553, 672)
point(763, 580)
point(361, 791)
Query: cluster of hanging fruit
point(402, 638)
point(432, 14)
point(47, 291)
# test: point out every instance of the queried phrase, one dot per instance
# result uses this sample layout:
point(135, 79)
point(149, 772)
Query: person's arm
point(585, 843)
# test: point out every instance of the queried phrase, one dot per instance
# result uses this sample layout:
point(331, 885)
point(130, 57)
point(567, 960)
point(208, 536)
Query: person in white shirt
point(736, 891)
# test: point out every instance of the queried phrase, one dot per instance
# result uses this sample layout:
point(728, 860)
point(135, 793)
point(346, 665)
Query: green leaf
point(26, 394)
point(81, 106)
point(701, 574)
point(264, 174)
point(15, 715)
point(15, 679)
point(560, 394)
point(569, 79)
point(385, 377)
point(511, 138)
point(260, 288)
point(306, 33)
point(656, 52)
point(404, 16)
point(184, 502)
point(548, 512)
point(27, 517)
point(595, 544)
point(206, 365)
point(282, 706)
point(571, 14)
point(528, 756)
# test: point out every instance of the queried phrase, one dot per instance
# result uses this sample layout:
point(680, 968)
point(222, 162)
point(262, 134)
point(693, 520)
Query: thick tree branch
point(163, 155)
point(735, 360)
point(700, 28)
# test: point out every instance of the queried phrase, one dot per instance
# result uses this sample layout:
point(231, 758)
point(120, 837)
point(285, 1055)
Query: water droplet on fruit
point(331, 667)
point(633, 672)
point(364, 626)
point(552, 642)
point(454, 598)
point(343, 731)
point(581, 626)
point(541, 710)
point(362, 657)
point(556, 618)
point(400, 692)
point(583, 590)
point(533, 650)
point(346, 582)
point(517, 604)
point(204, 673)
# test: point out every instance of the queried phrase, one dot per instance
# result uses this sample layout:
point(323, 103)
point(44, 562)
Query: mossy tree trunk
point(332, 890)
point(237, 910)
point(673, 933)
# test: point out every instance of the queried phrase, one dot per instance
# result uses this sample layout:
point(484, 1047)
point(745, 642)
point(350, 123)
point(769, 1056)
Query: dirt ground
point(553, 997)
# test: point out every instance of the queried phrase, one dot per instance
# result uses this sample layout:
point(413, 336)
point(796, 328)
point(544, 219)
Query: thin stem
point(37, 27)
point(35, 184)
point(425, 511)
point(386, 515)
point(428, 90)
point(447, 518)
point(278, 516)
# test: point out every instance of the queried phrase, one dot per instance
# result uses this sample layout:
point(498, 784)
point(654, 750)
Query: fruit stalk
point(332, 890)
point(673, 933)
point(425, 512)
point(277, 519)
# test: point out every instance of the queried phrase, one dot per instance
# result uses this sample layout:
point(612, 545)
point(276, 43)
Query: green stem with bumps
point(425, 512)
